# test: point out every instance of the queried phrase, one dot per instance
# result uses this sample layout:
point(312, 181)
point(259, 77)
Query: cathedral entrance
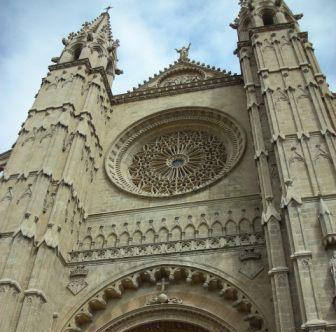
point(168, 298)
point(169, 326)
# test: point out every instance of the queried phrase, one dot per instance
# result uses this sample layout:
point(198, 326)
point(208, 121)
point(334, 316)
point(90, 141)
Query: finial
point(184, 52)
point(107, 9)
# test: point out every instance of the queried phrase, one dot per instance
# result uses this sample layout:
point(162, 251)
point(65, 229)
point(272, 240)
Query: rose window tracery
point(175, 152)
point(181, 160)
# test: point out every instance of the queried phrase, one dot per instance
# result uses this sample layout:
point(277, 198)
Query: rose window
point(177, 161)
point(175, 152)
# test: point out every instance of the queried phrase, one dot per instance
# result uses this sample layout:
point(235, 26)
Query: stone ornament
point(163, 298)
point(332, 266)
point(175, 152)
point(251, 264)
point(159, 275)
point(177, 161)
point(77, 279)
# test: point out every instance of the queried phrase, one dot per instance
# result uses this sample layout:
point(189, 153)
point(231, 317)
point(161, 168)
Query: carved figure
point(332, 265)
point(184, 52)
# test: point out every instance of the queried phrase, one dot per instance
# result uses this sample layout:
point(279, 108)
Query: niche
point(268, 18)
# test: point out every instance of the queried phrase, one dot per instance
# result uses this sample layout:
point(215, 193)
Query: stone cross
point(107, 9)
point(163, 284)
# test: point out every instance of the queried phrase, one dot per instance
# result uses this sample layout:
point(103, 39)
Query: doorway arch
point(192, 288)
point(173, 318)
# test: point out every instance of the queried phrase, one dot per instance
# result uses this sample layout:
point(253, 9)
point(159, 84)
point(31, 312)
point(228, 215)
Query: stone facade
point(200, 201)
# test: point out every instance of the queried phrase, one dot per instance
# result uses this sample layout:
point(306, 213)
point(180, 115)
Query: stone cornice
point(224, 242)
point(273, 27)
point(106, 215)
point(157, 92)
point(86, 62)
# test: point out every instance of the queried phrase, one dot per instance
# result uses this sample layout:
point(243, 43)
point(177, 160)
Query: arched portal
point(169, 326)
point(165, 294)
point(167, 318)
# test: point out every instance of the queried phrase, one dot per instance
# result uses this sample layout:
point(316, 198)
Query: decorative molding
point(10, 283)
point(37, 293)
point(167, 248)
point(86, 63)
point(238, 300)
point(157, 92)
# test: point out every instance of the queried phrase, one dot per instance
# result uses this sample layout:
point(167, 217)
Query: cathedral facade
point(200, 201)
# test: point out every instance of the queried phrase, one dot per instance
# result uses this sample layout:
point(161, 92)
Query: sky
point(149, 30)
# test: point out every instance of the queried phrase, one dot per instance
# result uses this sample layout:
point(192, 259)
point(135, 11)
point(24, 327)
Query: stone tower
point(200, 201)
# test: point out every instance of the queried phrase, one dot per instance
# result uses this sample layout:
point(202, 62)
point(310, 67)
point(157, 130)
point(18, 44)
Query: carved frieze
point(165, 248)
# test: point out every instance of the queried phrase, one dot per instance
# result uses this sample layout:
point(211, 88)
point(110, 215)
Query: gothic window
point(268, 18)
point(109, 68)
point(76, 51)
point(179, 152)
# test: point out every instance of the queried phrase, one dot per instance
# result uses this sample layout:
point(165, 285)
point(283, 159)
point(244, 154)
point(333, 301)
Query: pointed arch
point(268, 17)
point(163, 234)
point(137, 237)
point(150, 236)
point(244, 226)
point(244, 311)
point(76, 51)
point(87, 242)
point(176, 233)
point(189, 232)
point(217, 228)
point(99, 241)
point(230, 228)
point(124, 239)
point(257, 225)
point(203, 230)
point(112, 240)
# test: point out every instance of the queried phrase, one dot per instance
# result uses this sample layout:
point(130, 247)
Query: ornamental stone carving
point(175, 152)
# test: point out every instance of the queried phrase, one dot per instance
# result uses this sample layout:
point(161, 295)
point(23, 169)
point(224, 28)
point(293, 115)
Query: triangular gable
point(182, 72)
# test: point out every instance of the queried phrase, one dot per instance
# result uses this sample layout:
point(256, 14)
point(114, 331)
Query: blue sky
point(149, 30)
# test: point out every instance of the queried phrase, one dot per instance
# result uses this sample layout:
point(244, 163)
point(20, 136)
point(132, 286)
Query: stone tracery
point(175, 152)
point(177, 161)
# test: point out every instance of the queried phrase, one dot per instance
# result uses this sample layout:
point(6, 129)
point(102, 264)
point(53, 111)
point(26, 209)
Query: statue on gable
point(184, 52)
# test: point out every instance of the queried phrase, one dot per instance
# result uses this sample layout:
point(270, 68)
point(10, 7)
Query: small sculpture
point(332, 265)
point(184, 52)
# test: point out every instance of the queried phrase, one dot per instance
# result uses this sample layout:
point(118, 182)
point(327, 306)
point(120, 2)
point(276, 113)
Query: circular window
point(175, 152)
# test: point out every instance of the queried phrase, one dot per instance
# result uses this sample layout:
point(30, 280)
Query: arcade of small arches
point(133, 303)
point(103, 238)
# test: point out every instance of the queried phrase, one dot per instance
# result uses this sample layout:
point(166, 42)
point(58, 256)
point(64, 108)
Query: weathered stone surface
point(200, 201)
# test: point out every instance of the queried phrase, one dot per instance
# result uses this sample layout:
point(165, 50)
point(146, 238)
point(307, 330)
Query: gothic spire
point(95, 42)
point(259, 13)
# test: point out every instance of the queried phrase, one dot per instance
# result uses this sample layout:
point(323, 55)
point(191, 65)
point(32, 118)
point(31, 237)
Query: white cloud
point(149, 30)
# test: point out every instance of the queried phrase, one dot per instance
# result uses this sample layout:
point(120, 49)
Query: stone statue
point(184, 52)
point(332, 265)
